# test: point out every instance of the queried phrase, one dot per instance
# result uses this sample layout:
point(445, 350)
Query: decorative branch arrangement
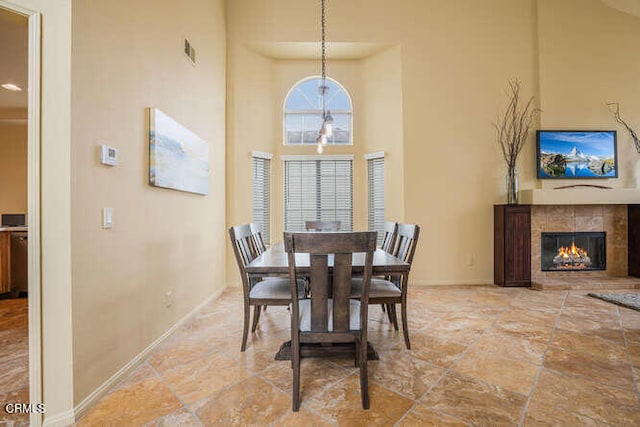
point(513, 127)
point(512, 130)
point(634, 136)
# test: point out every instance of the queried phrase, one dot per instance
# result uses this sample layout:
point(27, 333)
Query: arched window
point(303, 112)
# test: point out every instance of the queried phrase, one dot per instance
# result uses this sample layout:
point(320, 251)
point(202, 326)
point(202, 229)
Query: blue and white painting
point(577, 154)
point(178, 158)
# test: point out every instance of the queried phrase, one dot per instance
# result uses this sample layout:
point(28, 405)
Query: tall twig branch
point(512, 128)
point(634, 136)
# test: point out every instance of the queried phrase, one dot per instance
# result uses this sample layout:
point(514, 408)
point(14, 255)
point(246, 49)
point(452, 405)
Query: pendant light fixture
point(326, 130)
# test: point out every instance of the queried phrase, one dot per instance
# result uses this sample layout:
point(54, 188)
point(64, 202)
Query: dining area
point(326, 279)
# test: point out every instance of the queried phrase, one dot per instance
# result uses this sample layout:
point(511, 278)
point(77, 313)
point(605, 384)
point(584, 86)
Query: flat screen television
point(576, 154)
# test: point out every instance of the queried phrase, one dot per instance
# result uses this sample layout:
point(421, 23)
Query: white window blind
point(261, 193)
point(375, 172)
point(318, 188)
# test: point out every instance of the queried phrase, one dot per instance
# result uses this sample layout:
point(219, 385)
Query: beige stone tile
point(475, 401)
point(399, 371)
point(16, 396)
point(608, 328)
point(141, 373)
point(604, 369)
point(459, 327)
point(510, 346)
point(303, 417)
point(178, 350)
point(315, 375)
point(422, 416)
point(583, 398)
point(510, 373)
point(134, 405)
point(545, 414)
point(249, 402)
point(204, 377)
point(342, 404)
point(438, 350)
point(588, 223)
point(180, 418)
point(14, 372)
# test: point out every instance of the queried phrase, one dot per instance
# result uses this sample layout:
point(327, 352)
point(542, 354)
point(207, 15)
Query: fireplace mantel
point(581, 196)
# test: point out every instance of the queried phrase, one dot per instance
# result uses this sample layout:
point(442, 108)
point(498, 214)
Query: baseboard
point(63, 419)
point(450, 282)
point(100, 392)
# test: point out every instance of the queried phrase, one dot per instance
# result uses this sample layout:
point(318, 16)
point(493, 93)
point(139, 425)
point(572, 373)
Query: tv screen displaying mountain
point(576, 154)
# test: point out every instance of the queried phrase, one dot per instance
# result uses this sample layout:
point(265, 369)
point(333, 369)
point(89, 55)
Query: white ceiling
point(14, 47)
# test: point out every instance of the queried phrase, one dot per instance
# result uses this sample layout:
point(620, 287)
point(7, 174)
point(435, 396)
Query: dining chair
point(258, 241)
point(388, 245)
point(322, 225)
point(393, 289)
point(257, 291)
point(330, 316)
point(390, 234)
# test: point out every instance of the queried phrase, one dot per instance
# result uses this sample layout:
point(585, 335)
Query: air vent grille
point(189, 51)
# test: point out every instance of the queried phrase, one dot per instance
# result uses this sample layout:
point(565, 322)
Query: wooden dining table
point(274, 262)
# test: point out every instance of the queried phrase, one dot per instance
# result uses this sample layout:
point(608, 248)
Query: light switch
point(107, 217)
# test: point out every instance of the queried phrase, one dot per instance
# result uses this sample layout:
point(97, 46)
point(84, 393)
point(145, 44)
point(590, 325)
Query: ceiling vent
point(190, 51)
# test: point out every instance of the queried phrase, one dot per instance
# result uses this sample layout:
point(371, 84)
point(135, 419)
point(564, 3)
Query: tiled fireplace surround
point(612, 219)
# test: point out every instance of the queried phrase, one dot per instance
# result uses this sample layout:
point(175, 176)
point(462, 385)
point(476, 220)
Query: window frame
point(285, 113)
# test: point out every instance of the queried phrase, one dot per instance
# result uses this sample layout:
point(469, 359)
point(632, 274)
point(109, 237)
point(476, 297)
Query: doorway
point(20, 328)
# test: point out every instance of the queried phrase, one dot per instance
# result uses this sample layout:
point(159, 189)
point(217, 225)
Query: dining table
point(274, 262)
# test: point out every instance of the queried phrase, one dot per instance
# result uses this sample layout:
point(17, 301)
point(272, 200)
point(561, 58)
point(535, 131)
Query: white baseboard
point(450, 282)
point(100, 392)
point(63, 419)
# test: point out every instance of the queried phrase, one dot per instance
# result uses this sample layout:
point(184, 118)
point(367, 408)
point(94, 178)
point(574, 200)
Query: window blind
point(375, 175)
point(262, 193)
point(318, 190)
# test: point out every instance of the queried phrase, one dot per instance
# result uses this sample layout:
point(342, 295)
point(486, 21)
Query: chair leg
point(389, 314)
point(295, 358)
point(405, 324)
point(245, 326)
point(394, 315)
point(364, 375)
point(382, 307)
point(256, 317)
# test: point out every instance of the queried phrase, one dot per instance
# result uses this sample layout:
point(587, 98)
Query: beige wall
point(13, 166)
point(436, 89)
point(441, 85)
point(127, 57)
point(586, 61)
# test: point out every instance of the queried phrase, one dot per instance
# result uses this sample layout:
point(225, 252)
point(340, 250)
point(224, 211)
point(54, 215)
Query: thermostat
point(108, 155)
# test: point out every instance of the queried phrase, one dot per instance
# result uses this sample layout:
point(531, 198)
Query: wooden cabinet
point(512, 245)
point(634, 239)
point(5, 266)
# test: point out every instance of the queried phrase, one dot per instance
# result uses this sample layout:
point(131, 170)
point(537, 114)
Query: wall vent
point(189, 51)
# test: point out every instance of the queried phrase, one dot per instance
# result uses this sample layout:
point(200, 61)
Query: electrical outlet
point(470, 260)
point(168, 299)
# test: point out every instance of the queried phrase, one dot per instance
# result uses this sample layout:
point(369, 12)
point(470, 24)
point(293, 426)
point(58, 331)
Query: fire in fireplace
point(578, 251)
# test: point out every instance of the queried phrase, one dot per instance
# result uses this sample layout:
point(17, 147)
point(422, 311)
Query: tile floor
point(14, 358)
point(480, 355)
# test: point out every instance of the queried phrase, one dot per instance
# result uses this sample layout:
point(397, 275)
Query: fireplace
point(573, 251)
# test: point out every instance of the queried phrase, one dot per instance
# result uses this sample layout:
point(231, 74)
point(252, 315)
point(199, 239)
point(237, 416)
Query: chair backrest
point(258, 241)
point(406, 241)
point(243, 244)
point(320, 246)
point(322, 225)
point(390, 233)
